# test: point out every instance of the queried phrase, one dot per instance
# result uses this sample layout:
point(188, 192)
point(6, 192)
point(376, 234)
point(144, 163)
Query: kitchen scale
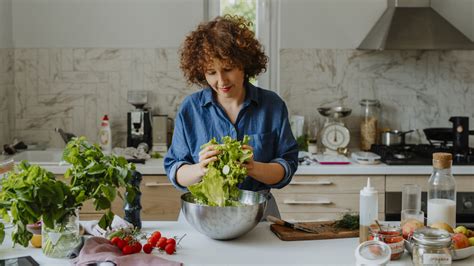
point(334, 136)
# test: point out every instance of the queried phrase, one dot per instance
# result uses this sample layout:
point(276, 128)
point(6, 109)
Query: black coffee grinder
point(139, 123)
point(460, 135)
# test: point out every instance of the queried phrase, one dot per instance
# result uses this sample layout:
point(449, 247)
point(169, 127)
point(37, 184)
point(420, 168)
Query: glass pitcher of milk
point(442, 191)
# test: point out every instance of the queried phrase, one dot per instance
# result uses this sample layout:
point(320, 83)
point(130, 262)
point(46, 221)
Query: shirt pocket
point(264, 146)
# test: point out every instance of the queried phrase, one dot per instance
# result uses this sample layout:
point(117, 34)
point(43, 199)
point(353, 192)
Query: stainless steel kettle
point(393, 137)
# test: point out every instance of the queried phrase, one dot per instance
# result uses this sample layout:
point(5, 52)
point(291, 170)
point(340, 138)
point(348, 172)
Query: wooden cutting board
point(326, 231)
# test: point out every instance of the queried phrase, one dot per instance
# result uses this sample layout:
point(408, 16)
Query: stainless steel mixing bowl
point(225, 222)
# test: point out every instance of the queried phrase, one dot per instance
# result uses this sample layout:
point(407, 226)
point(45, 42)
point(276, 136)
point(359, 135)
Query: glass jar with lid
point(431, 246)
point(368, 125)
point(392, 236)
point(372, 252)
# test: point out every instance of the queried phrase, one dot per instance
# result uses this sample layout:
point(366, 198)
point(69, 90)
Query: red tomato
point(147, 248)
point(121, 243)
point(127, 250)
point(170, 249)
point(115, 240)
point(137, 247)
point(161, 243)
point(156, 235)
point(171, 241)
point(152, 241)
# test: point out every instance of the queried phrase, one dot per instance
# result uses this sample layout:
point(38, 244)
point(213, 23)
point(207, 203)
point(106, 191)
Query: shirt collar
point(251, 95)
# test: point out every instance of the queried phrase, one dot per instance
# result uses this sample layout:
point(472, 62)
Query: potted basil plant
point(30, 193)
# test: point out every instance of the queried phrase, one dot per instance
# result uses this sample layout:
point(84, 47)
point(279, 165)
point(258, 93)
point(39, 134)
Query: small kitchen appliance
point(460, 135)
point(139, 124)
point(334, 134)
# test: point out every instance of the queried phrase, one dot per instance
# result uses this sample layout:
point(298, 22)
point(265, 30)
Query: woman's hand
point(206, 156)
point(249, 163)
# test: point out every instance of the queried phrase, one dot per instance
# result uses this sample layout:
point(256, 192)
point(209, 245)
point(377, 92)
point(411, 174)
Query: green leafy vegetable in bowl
point(219, 185)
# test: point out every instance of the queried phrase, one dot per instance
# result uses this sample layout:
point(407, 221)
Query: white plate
point(366, 157)
point(457, 254)
point(331, 159)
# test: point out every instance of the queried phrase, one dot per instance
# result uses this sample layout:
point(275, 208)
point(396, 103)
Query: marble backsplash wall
point(73, 88)
point(417, 89)
point(6, 92)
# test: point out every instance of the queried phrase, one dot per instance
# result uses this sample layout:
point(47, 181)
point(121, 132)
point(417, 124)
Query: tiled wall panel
point(73, 88)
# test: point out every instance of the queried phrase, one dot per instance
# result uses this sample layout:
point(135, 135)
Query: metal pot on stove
point(393, 137)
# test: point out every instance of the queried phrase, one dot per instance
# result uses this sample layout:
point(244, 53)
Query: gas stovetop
point(418, 154)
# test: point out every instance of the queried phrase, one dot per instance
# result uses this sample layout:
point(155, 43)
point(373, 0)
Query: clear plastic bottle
point(442, 191)
point(368, 125)
point(105, 135)
point(368, 210)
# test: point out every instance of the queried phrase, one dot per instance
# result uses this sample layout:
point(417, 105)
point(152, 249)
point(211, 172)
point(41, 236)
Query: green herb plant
point(30, 193)
point(348, 221)
point(219, 185)
point(302, 142)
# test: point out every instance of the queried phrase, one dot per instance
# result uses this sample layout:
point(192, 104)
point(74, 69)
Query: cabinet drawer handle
point(156, 184)
point(308, 202)
point(318, 183)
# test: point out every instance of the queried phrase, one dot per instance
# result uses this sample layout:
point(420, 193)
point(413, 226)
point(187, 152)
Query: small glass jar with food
point(431, 246)
point(392, 236)
point(368, 125)
point(372, 252)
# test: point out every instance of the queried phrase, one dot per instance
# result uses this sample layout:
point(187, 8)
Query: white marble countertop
point(260, 246)
point(155, 167)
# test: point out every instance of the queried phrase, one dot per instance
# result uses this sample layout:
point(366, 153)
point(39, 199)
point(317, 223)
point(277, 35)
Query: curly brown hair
point(227, 38)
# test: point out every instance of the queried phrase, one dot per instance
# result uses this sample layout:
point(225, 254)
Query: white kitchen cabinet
point(160, 201)
point(326, 197)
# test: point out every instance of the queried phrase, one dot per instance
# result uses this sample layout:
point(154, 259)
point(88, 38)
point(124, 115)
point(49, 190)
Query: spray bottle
point(368, 210)
point(105, 135)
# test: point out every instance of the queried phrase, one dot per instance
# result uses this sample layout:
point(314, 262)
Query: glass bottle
point(368, 124)
point(442, 191)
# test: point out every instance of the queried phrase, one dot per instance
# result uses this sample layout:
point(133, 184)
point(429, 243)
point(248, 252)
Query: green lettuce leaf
point(219, 185)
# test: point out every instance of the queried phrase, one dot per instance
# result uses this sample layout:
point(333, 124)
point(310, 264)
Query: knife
point(290, 225)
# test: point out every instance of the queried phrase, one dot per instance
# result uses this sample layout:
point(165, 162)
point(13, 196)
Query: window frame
point(268, 12)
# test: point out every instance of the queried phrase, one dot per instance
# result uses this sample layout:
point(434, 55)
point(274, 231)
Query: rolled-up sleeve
point(287, 150)
point(179, 153)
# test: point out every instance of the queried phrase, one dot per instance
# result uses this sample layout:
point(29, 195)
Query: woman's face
point(226, 80)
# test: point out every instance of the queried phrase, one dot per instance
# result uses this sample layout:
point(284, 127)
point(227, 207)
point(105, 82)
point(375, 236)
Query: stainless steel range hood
point(414, 25)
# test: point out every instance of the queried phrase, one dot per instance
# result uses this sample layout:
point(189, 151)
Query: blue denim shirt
point(264, 117)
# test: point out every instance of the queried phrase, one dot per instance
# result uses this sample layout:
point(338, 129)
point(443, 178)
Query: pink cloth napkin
point(99, 249)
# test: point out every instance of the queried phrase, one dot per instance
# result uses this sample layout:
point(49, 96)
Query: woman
point(222, 55)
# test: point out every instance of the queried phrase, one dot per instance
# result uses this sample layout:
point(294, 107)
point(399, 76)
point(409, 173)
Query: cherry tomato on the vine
point(121, 243)
point(170, 249)
point(161, 243)
point(147, 248)
point(127, 250)
point(171, 241)
point(115, 240)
